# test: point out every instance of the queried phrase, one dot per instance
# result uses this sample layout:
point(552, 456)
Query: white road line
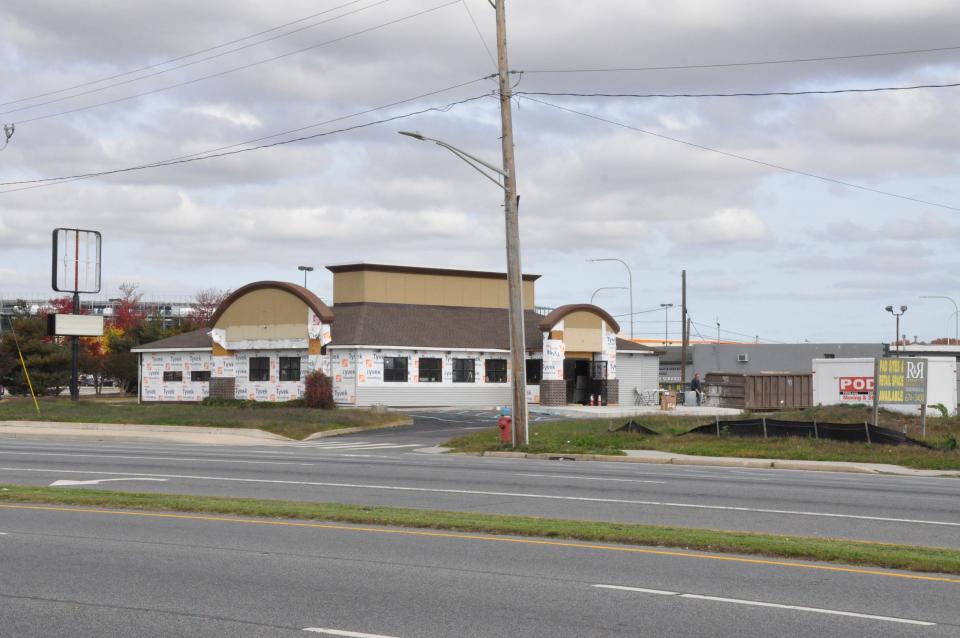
point(437, 490)
point(3, 533)
point(153, 458)
point(589, 478)
point(642, 590)
point(757, 603)
point(341, 632)
point(366, 446)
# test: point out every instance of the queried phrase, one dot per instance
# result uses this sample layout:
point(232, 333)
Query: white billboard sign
point(76, 325)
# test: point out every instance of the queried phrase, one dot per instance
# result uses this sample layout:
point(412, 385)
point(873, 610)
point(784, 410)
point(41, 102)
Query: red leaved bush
point(319, 391)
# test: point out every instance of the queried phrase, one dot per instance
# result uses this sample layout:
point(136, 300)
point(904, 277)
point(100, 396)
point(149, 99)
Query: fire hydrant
point(505, 423)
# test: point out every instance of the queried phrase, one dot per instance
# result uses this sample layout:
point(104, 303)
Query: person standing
point(697, 386)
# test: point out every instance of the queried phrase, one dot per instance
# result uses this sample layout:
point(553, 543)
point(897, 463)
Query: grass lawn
point(293, 422)
point(592, 436)
point(915, 558)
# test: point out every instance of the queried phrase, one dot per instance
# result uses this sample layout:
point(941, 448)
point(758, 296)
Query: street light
point(630, 277)
point(666, 322)
point(518, 349)
point(305, 270)
point(896, 314)
point(956, 313)
point(605, 288)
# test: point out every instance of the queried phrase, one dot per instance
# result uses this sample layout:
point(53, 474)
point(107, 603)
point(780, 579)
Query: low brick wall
point(223, 387)
point(553, 392)
point(613, 391)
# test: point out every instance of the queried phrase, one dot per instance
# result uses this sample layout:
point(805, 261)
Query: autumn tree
point(205, 304)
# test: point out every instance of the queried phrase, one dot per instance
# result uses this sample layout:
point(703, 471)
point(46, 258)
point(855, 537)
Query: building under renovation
point(397, 336)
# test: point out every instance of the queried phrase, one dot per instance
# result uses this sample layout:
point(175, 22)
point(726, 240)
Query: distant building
point(398, 336)
point(755, 358)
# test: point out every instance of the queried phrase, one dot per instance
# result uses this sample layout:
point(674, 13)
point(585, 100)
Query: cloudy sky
point(99, 86)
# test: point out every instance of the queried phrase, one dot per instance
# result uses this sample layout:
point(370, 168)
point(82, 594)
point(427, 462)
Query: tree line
point(48, 359)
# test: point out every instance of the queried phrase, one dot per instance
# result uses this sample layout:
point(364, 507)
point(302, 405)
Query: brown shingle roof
point(408, 325)
point(626, 344)
point(185, 341)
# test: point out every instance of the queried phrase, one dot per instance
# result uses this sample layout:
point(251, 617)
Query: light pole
point(605, 288)
point(666, 322)
point(630, 278)
point(305, 270)
point(956, 313)
point(896, 314)
point(514, 282)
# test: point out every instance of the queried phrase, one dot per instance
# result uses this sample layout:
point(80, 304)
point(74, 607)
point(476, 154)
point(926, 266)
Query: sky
point(769, 253)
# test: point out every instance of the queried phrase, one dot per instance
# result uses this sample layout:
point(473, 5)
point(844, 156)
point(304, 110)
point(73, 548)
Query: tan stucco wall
point(583, 332)
point(267, 313)
point(425, 289)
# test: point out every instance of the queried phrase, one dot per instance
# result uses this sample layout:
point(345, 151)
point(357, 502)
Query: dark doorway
point(576, 372)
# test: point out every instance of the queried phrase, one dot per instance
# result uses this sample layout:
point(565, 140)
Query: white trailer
point(850, 382)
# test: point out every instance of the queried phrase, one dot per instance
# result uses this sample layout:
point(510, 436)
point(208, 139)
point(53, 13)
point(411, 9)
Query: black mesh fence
point(775, 428)
point(633, 426)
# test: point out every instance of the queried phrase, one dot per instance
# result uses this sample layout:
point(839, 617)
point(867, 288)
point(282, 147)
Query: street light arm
point(463, 155)
point(605, 288)
point(629, 278)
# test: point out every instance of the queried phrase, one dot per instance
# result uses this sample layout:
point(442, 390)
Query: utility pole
point(685, 327)
point(510, 204)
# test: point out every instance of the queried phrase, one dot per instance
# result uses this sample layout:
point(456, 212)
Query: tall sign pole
point(514, 271)
point(76, 269)
point(685, 339)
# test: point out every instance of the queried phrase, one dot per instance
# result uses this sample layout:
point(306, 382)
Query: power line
point(213, 153)
point(744, 158)
point(721, 65)
point(483, 41)
point(187, 55)
point(745, 94)
point(245, 66)
point(741, 334)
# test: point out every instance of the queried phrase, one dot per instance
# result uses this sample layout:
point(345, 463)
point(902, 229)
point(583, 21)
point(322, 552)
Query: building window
point(431, 370)
point(172, 376)
point(495, 370)
point(464, 370)
point(259, 368)
point(395, 369)
point(534, 371)
point(289, 368)
point(200, 375)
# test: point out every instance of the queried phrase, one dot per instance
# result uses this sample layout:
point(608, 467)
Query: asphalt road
point(383, 468)
point(100, 574)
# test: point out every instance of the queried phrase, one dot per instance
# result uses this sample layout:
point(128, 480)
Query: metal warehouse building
point(398, 336)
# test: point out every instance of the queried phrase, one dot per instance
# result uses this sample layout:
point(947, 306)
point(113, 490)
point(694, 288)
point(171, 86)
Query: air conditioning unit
point(743, 357)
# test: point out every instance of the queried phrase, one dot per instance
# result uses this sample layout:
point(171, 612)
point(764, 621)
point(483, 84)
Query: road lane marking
point(551, 497)
point(491, 539)
point(642, 590)
point(66, 483)
point(341, 632)
point(757, 603)
point(153, 458)
point(590, 478)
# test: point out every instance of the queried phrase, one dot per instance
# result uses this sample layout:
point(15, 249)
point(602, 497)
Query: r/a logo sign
point(915, 369)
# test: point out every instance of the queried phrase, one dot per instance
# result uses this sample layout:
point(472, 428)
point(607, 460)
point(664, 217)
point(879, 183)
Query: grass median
point(599, 436)
point(295, 422)
point(906, 557)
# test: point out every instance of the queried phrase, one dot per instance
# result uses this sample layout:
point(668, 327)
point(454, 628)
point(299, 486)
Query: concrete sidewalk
point(130, 432)
point(669, 458)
